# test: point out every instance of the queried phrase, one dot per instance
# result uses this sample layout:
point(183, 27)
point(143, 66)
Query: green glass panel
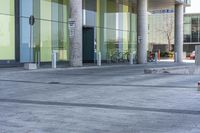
point(45, 9)
point(53, 30)
point(45, 41)
point(7, 37)
point(187, 20)
point(7, 7)
point(110, 15)
point(36, 8)
point(65, 10)
point(50, 31)
point(116, 27)
point(45, 31)
point(62, 30)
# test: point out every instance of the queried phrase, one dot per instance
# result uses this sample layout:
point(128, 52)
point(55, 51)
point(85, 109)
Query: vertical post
point(76, 40)
point(197, 61)
point(31, 23)
point(31, 65)
point(31, 44)
point(159, 55)
point(99, 59)
point(197, 55)
point(54, 59)
point(17, 30)
point(179, 14)
point(38, 58)
point(175, 57)
point(142, 31)
point(156, 57)
point(131, 58)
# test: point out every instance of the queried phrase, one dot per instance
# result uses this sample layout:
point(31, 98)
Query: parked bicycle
point(118, 57)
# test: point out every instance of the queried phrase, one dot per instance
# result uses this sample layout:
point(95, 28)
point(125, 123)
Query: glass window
point(187, 32)
point(187, 29)
point(27, 8)
point(49, 31)
point(115, 25)
point(25, 49)
point(7, 30)
point(45, 41)
point(7, 7)
point(195, 31)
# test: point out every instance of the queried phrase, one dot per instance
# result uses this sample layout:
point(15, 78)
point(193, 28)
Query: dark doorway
point(88, 45)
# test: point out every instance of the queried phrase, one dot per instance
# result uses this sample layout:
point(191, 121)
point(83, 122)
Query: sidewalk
point(111, 99)
point(170, 60)
point(162, 63)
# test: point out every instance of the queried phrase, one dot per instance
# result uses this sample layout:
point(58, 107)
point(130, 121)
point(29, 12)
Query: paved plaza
point(109, 99)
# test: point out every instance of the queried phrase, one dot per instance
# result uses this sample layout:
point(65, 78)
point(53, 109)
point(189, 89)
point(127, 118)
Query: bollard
point(175, 57)
point(99, 59)
point(131, 58)
point(199, 84)
point(54, 59)
point(38, 59)
point(156, 57)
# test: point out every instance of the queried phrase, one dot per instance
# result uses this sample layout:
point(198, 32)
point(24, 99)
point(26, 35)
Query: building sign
point(164, 11)
point(71, 27)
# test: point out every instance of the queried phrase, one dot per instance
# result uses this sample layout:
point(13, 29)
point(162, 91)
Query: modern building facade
point(161, 24)
point(161, 30)
point(101, 26)
point(49, 31)
point(191, 31)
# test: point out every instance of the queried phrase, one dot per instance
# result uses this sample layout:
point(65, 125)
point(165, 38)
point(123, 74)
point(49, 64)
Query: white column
point(142, 30)
point(179, 15)
point(76, 41)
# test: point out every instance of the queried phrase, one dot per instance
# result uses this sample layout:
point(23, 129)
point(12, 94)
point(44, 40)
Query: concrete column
point(142, 30)
point(197, 55)
point(179, 15)
point(76, 41)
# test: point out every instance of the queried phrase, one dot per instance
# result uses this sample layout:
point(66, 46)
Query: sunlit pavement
point(170, 60)
point(114, 99)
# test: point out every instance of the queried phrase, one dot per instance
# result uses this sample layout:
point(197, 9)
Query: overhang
point(164, 4)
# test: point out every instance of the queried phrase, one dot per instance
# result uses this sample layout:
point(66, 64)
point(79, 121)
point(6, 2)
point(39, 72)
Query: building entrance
point(88, 45)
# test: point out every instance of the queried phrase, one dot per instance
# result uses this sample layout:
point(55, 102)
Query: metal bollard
point(156, 57)
point(38, 59)
point(198, 85)
point(175, 57)
point(131, 58)
point(99, 59)
point(54, 59)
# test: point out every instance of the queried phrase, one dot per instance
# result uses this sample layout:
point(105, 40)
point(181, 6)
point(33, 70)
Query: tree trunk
point(169, 43)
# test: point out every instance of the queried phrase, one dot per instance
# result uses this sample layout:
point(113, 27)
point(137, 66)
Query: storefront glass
point(7, 30)
point(191, 28)
point(49, 30)
point(187, 29)
point(195, 30)
point(114, 23)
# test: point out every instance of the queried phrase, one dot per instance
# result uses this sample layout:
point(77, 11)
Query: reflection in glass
point(195, 30)
point(49, 31)
point(7, 30)
point(7, 7)
point(115, 26)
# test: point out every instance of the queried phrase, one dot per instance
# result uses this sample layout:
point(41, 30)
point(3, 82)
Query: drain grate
point(53, 82)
